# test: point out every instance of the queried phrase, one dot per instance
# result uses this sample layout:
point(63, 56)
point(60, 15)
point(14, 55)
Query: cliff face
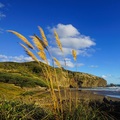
point(86, 80)
point(30, 74)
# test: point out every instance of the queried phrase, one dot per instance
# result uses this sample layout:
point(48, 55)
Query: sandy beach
point(86, 95)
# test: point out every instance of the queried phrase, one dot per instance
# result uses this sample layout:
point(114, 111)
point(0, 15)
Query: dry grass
point(29, 53)
point(74, 54)
point(22, 38)
point(57, 62)
point(43, 56)
point(58, 41)
point(43, 36)
point(37, 43)
point(40, 45)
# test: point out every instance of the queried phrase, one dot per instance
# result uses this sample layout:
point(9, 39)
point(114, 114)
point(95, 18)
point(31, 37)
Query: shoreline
point(92, 95)
point(88, 95)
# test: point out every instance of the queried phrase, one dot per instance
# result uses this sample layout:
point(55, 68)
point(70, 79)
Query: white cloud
point(71, 38)
point(68, 51)
point(56, 51)
point(104, 76)
point(65, 31)
point(78, 42)
point(2, 5)
point(21, 58)
point(69, 63)
point(3, 57)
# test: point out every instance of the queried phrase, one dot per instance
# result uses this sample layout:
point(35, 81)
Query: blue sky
point(92, 27)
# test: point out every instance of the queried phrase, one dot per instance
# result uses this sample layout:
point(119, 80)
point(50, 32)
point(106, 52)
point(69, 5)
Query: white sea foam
point(114, 96)
point(107, 91)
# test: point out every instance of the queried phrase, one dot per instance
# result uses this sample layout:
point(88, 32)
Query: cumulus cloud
point(71, 38)
point(21, 58)
point(69, 63)
point(104, 76)
point(65, 31)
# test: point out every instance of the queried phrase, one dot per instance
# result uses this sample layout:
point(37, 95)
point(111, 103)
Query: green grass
point(20, 80)
point(29, 74)
point(34, 74)
point(16, 110)
point(9, 91)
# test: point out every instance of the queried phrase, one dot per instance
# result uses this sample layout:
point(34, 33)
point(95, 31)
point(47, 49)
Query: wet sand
point(86, 95)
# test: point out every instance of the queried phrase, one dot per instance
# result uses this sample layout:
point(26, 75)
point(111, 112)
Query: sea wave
point(102, 88)
point(106, 91)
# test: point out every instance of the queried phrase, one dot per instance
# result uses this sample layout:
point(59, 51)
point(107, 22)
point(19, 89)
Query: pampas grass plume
point(37, 43)
point(43, 36)
point(42, 55)
point(58, 41)
point(29, 53)
point(57, 62)
point(22, 38)
point(74, 54)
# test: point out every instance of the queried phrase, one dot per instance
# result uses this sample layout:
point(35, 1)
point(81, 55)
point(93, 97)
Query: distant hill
point(30, 74)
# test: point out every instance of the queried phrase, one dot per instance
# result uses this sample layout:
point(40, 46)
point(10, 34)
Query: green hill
point(29, 74)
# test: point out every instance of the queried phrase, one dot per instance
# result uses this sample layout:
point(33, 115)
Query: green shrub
point(22, 81)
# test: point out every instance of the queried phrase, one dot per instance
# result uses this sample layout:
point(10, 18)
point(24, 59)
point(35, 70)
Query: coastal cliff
point(29, 74)
point(86, 80)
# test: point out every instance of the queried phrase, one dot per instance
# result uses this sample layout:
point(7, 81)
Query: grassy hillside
point(29, 74)
point(9, 91)
point(21, 74)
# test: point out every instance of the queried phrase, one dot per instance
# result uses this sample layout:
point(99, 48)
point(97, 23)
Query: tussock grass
point(62, 109)
point(16, 110)
point(22, 38)
point(41, 45)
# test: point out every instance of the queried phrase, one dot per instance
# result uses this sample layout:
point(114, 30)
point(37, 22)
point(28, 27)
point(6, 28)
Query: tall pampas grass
point(57, 62)
point(74, 54)
point(43, 36)
point(37, 43)
point(29, 53)
point(43, 56)
point(42, 47)
point(42, 42)
point(22, 38)
point(58, 41)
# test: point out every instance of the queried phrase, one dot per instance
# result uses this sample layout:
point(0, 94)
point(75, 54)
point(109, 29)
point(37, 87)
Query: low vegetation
point(16, 110)
point(29, 74)
point(45, 90)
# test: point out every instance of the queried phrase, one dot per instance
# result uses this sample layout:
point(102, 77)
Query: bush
point(22, 81)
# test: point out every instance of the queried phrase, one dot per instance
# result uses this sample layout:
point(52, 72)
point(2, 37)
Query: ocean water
point(106, 91)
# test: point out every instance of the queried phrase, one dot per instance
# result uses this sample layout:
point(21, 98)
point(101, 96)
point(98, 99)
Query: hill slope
point(29, 74)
